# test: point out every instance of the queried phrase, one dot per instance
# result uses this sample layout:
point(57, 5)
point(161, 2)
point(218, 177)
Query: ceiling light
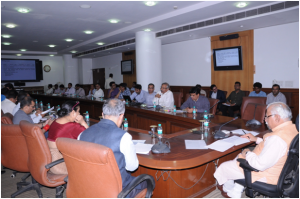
point(113, 21)
point(51, 55)
point(85, 6)
point(22, 49)
point(241, 26)
point(6, 36)
point(6, 43)
point(73, 51)
point(51, 46)
point(10, 25)
point(88, 32)
point(19, 54)
point(150, 3)
point(241, 5)
point(69, 40)
point(147, 30)
point(100, 43)
point(23, 10)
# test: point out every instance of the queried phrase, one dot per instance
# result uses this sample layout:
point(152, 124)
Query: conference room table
point(182, 172)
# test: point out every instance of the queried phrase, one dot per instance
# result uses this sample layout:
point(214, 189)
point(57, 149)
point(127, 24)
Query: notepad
point(236, 140)
point(138, 141)
point(141, 148)
point(47, 111)
point(240, 132)
point(220, 145)
point(195, 144)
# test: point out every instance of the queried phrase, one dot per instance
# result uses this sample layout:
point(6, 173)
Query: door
point(99, 77)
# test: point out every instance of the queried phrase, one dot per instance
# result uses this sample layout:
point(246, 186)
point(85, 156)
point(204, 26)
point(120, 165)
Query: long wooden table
point(181, 173)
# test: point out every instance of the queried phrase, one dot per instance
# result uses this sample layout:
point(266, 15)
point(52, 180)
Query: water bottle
point(125, 125)
point(87, 117)
point(58, 107)
point(92, 97)
point(194, 111)
point(37, 92)
point(49, 106)
point(206, 123)
point(126, 103)
point(41, 106)
point(174, 110)
point(36, 104)
point(154, 105)
point(205, 115)
point(159, 131)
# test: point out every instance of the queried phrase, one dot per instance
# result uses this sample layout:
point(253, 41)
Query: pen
point(245, 134)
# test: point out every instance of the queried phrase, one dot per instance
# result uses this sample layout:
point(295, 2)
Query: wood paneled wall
point(129, 78)
point(225, 79)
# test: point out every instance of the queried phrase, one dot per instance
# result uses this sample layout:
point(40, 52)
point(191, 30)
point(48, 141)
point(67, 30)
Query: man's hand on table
point(250, 137)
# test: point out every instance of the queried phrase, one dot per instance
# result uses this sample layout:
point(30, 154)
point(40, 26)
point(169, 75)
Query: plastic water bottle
point(174, 110)
point(154, 105)
point(125, 125)
point(41, 106)
point(58, 107)
point(92, 97)
point(206, 123)
point(36, 104)
point(205, 115)
point(159, 131)
point(194, 111)
point(87, 116)
point(49, 106)
point(126, 103)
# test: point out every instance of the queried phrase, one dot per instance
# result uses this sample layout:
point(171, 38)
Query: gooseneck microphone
point(253, 122)
point(219, 134)
point(213, 105)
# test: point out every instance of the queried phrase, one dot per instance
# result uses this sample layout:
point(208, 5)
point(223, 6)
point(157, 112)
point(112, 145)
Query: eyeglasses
point(269, 116)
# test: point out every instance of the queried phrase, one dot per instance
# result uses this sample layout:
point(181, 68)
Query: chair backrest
point(39, 153)
point(213, 102)
point(92, 169)
point(247, 93)
point(288, 96)
point(288, 182)
point(225, 93)
point(187, 95)
point(7, 118)
point(177, 98)
point(247, 100)
point(106, 92)
point(259, 112)
point(14, 153)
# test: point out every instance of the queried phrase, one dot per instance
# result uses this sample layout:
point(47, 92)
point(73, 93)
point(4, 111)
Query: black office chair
point(288, 182)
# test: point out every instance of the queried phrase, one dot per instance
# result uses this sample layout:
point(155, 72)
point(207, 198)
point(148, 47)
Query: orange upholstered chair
point(247, 100)
point(259, 112)
point(177, 98)
point(7, 118)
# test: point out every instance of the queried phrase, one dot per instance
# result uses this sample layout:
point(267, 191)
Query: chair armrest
point(66, 179)
point(247, 171)
point(150, 185)
point(48, 166)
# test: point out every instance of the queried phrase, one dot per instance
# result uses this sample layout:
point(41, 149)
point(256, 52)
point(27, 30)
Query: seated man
point(276, 95)
point(92, 90)
point(133, 86)
point(70, 90)
point(215, 93)
point(164, 97)
point(123, 90)
point(257, 91)
point(108, 133)
point(50, 89)
point(200, 102)
point(9, 103)
point(234, 101)
point(27, 106)
point(202, 92)
point(138, 95)
point(79, 91)
point(150, 95)
point(61, 89)
point(56, 89)
point(98, 91)
point(268, 156)
point(113, 91)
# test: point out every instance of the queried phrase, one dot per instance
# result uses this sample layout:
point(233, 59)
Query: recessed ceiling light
point(51, 55)
point(150, 3)
point(22, 49)
point(85, 6)
point(6, 36)
point(19, 54)
point(73, 51)
point(175, 7)
point(69, 40)
point(100, 43)
point(10, 25)
point(51, 46)
point(23, 10)
point(113, 20)
point(241, 26)
point(147, 30)
point(88, 32)
point(6, 43)
point(241, 4)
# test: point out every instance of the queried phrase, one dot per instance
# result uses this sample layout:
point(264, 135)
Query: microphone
point(219, 134)
point(253, 122)
point(213, 105)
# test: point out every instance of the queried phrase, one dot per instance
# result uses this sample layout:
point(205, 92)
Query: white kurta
point(99, 93)
point(166, 99)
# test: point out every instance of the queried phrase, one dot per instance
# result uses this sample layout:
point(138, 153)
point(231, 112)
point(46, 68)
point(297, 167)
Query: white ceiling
point(51, 22)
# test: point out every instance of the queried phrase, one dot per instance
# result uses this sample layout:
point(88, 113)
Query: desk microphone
point(253, 122)
point(219, 134)
point(161, 147)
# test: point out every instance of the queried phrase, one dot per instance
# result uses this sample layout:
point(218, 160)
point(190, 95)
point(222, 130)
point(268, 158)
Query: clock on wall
point(47, 68)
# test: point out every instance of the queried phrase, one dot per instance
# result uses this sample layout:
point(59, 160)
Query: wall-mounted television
point(127, 67)
point(21, 70)
point(228, 58)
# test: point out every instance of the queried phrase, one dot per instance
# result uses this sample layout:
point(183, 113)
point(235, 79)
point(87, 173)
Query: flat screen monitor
point(127, 67)
point(21, 70)
point(228, 58)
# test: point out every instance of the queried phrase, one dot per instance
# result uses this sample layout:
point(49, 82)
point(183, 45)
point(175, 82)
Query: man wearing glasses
point(276, 95)
point(164, 97)
point(268, 156)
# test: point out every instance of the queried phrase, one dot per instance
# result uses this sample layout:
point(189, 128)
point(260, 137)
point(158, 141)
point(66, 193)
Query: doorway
point(99, 77)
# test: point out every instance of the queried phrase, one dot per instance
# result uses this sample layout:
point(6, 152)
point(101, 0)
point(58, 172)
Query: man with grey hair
point(108, 133)
point(164, 97)
point(268, 156)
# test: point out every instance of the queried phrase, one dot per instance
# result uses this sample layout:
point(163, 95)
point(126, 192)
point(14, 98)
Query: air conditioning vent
point(192, 26)
point(179, 29)
point(278, 6)
point(218, 20)
point(289, 4)
point(171, 31)
point(184, 28)
point(209, 22)
point(240, 15)
point(201, 24)
point(264, 10)
point(229, 18)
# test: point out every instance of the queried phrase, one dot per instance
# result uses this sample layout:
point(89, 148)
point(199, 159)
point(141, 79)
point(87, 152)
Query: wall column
point(148, 60)
point(70, 70)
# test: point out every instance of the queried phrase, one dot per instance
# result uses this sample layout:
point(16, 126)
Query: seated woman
point(69, 125)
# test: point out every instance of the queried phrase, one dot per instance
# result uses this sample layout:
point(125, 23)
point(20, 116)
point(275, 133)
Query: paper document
point(236, 140)
point(220, 145)
point(143, 148)
point(195, 144)
point(240, 132)
point(226, 104)
point(138, 141)
point(47, 111)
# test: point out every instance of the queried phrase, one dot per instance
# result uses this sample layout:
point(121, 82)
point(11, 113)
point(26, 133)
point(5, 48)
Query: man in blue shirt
point(257, 90)
point(123, 90)
point(150, 95)
point(200, 102)
point(138, 95)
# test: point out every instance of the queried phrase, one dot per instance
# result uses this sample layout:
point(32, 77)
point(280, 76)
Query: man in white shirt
point(9, 103)
point(70, 90)
point(50, 89)
point(56, 89)
point(268, 156)
point(202, 92)
point(138, 95)
point(99, 92)
point(108, 80)
point(79, 91)
point(150, 94)
point(164, 97)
